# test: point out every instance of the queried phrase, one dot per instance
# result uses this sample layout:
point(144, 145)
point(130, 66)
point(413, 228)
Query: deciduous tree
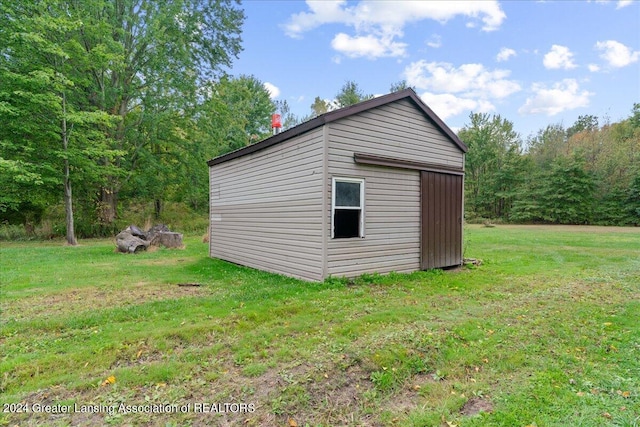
point(492, 166)
point(48, 131)
point(151, 56)
point(350, 94)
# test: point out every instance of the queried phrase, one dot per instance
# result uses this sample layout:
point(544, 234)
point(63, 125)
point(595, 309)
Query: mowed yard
point(546, 332)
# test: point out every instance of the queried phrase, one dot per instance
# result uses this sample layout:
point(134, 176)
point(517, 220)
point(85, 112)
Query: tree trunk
point(109, 194)
point(157, 205)
point(68, 199)
point(108, 205)
point(68, 206)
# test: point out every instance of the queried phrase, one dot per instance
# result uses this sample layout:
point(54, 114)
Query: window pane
point(346, 223)
point(348, 194)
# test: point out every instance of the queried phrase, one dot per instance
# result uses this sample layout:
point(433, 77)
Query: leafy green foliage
point(319, 106)
point(51, 137)
point(398, 86)
point(105, 94)
point(582, 175)
point(568, 195)
point(633, 201)
point(350, 94)
point(249, 108)
point(494, 165)
point(153, 59)
point(289, 119)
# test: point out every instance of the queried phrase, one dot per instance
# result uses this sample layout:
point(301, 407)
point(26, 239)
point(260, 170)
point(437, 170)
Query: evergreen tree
point(633, 201)
point(567, 197)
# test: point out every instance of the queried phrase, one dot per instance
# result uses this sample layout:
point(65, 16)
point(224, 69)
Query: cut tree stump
point(168, 239)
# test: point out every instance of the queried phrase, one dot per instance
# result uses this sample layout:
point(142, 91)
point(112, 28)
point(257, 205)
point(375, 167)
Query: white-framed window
point(347, 208)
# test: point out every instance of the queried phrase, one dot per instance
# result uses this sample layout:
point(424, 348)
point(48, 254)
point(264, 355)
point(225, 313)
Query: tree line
point(106, 104)
point(105, 101)
point(585, 174)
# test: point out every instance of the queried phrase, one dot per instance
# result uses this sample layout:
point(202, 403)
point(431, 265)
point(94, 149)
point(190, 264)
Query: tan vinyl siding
point(396, 130)
point(271, 203)
point(392, 223)
point(266, 208)
point(392, 196)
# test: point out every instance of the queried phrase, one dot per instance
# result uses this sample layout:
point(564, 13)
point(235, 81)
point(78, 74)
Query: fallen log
point(132, 239)
point(128, 243)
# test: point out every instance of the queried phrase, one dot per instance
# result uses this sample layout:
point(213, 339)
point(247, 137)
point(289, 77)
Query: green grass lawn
point(546, 332)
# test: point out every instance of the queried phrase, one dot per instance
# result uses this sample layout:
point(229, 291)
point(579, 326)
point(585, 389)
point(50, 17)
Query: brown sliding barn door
point(441, 219)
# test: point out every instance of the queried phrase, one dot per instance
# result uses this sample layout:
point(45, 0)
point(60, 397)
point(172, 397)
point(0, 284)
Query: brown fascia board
point(340, 114)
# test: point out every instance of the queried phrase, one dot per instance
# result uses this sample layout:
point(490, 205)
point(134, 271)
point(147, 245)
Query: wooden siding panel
point(266, 208)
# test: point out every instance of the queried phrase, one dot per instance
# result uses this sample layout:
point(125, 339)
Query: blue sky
point(534, 63)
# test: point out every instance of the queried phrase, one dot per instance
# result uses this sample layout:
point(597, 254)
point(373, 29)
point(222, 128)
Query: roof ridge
point(341, 113)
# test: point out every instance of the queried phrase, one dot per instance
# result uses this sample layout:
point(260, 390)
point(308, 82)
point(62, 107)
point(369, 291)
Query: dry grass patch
point(92, 298)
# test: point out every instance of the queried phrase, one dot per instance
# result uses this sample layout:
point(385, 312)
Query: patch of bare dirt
point(325, 395)
point(406, 399)
point(340, 391)
point(475, 405)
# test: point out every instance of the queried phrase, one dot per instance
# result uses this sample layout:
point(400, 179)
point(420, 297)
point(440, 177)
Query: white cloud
point(504, 54)
point(619, 4)
point(396, 14)
point(321, 12)
point(446, 105)
point(616, 54)
point(435, 41)
point(378, 23)
point(450, 91)
point(562, 96)
point(273, 90)
point(559, 57)
point(473, 80)
point(594, 68)
point(368, 46)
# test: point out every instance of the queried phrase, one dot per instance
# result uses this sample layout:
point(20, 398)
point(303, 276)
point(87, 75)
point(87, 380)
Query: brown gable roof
point(340, 114)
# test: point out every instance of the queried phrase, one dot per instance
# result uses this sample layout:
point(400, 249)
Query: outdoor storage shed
point(374, 187)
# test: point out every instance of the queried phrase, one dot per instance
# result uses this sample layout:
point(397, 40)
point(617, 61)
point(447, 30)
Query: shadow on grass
point(248, 284)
